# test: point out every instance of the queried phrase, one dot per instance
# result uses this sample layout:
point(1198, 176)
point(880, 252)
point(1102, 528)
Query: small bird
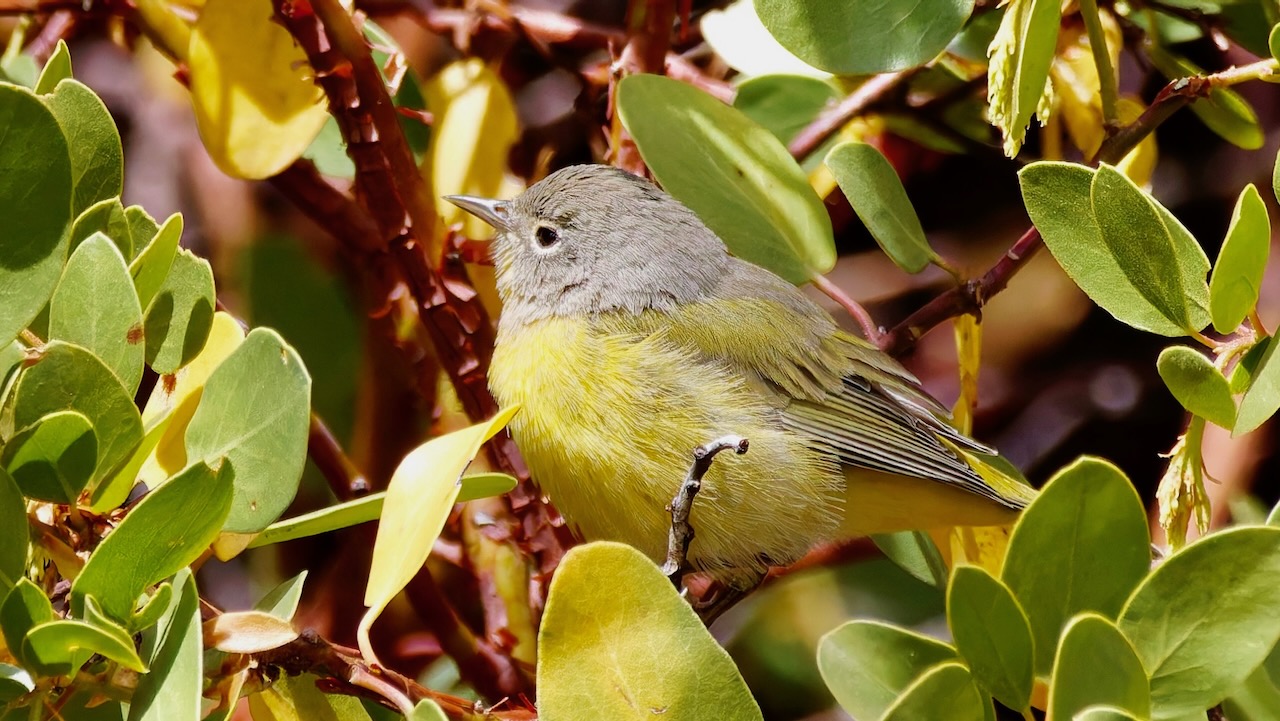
point(630, 336)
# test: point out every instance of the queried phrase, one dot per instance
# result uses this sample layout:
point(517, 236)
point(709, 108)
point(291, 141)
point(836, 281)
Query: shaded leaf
point(873, 189)
point(255, 411)
point(151, 265)
point(915, 553)
point(864, 38)
point(24, 608)
point(13, 533)
point(256, 104)
point(784, 104)
point(991, 632)
point(734, 174)
point(1082, 545)
point(35, 201)
point(1237, 276)
point(14, 682)
point(420, 495)
point(171, 690)
point(97, 158)
point(1225, 111)
point(164, 532)
point(53, 459)
point(106, 217)
point(1197, 384)
point(179, 317)
point(945, 693)
point(96, 308)
point(68, 377)
point(868, 664)
point(1205, 618)
point(1096, 666)
point(612, 611)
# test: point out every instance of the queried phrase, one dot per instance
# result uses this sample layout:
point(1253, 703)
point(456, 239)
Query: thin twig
point(869, 328)
point(682, 504)
point(345, 479)
point(830, 121)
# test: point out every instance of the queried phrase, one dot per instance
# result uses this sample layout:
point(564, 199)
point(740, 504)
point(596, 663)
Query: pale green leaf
point(1096, 666)
point(873, 189)
point(53, 459)
point(97, 158)
point(179, 317)
point(171, 690)
point(1197, 384)
point(868, 664)
point(944, 693)
point(991, 632)
point(1237, 276)
point(56, 69)
point(13, 533)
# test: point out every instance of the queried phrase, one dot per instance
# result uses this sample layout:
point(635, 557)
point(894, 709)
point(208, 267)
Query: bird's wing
point(854, 401)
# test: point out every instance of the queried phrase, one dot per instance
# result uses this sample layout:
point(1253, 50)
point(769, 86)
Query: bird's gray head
point(593, 238)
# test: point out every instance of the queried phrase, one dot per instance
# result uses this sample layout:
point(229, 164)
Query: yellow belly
point(608, 424)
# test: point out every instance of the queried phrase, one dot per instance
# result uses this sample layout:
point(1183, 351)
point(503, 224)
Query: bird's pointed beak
point(494, 212)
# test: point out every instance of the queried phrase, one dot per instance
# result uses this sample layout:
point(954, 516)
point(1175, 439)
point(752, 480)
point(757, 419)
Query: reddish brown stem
point(830, 121)
point(345, 479)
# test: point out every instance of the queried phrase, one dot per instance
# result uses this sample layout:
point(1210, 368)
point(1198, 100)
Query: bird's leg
point(682, 504)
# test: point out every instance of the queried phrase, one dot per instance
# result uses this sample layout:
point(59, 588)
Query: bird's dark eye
point(547, 236)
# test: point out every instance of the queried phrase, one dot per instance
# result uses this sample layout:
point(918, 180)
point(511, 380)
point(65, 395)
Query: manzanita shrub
point(143, 430)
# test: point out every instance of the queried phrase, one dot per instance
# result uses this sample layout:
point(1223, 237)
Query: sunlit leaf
point(612, 611)
point(13, 533)
point(1237, 276)
point(864, 38)
point(97, 158)
point(255, 411)
point(151, 265)
point(51, 648)
point(180, 315)
point(96, 307)
point(35, 202)
point(56, 69)
point(1197, 384)
point(247, 632)
point(1075, 82)
point(992, 633)
point(427, 710)
point(736, 34)
point(867, 664)
point(1096, 666)
point(171, 690)
point(734, 174)
point(166, 531)
point(282, 601)
point(1082, 545)
point(419, 497)
point(297, 698)
point(53, 459)
point(256, 104)
point(25, 607)
point(1204, 619)
point(106, 217)
point(1261, 380)
point(1018, 75)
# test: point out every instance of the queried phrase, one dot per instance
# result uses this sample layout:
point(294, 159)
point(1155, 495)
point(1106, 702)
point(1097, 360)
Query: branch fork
point(682, 532)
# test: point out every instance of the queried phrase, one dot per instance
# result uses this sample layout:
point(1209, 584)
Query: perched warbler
point(629, 336)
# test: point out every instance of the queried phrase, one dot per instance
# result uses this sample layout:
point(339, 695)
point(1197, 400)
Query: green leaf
point(179, 317)
point(1156, 254)
point(1205, 618)
point(255, 411)
point(867, 664)
point(427, 710)
point(297, 698)
point(1273, 518)
point(68, 377)
point(876, 194)
point(173, 651)
point(1237, 276)
point(166, 531)
point(1059, 200)
point(1096, 666)
point(864, 38)
point(95, 307)
point(106, 217)
point(35, 202)
point(1082, 545)
point(1273, 42)
point(153, 609)
point(55, 648)
point(151, 266)
point(944, 693)
point(612, 611)
point(56, 69)
point(1262, 397)
point(1197, 384)
point(1225, 111)
point(143, 229)
point(14, 682)
point(1242, 375)
point(97, 158)
point(784, 104)
point(13, 533)
point(52, 459)
point(915, 553)
point(282, 601)
point(1104, 713)
point(24, 608)
point(734, 174)
point(368, 508)
point(1018, 73)
point(993, 635)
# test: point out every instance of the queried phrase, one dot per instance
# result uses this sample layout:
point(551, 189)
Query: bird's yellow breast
point(610, 418)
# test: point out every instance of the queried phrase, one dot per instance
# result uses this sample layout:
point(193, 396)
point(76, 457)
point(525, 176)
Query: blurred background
point(1059, 376)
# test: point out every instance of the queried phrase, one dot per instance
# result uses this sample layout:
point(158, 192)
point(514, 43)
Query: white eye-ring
point(546, 236)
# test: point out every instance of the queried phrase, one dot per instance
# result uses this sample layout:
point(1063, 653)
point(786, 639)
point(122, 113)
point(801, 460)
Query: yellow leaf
point(229, 545)
point(475, 127)
point(419, 497)
point(247, 632)
point(1075, 80)
point(256, 105)
point(968, 354)
point(1141, 161)
point(174, 405)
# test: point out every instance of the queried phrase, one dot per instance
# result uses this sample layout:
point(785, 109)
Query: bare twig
point(345, 479)
point(869, 328)
point(830, 121)
point(682, 504)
